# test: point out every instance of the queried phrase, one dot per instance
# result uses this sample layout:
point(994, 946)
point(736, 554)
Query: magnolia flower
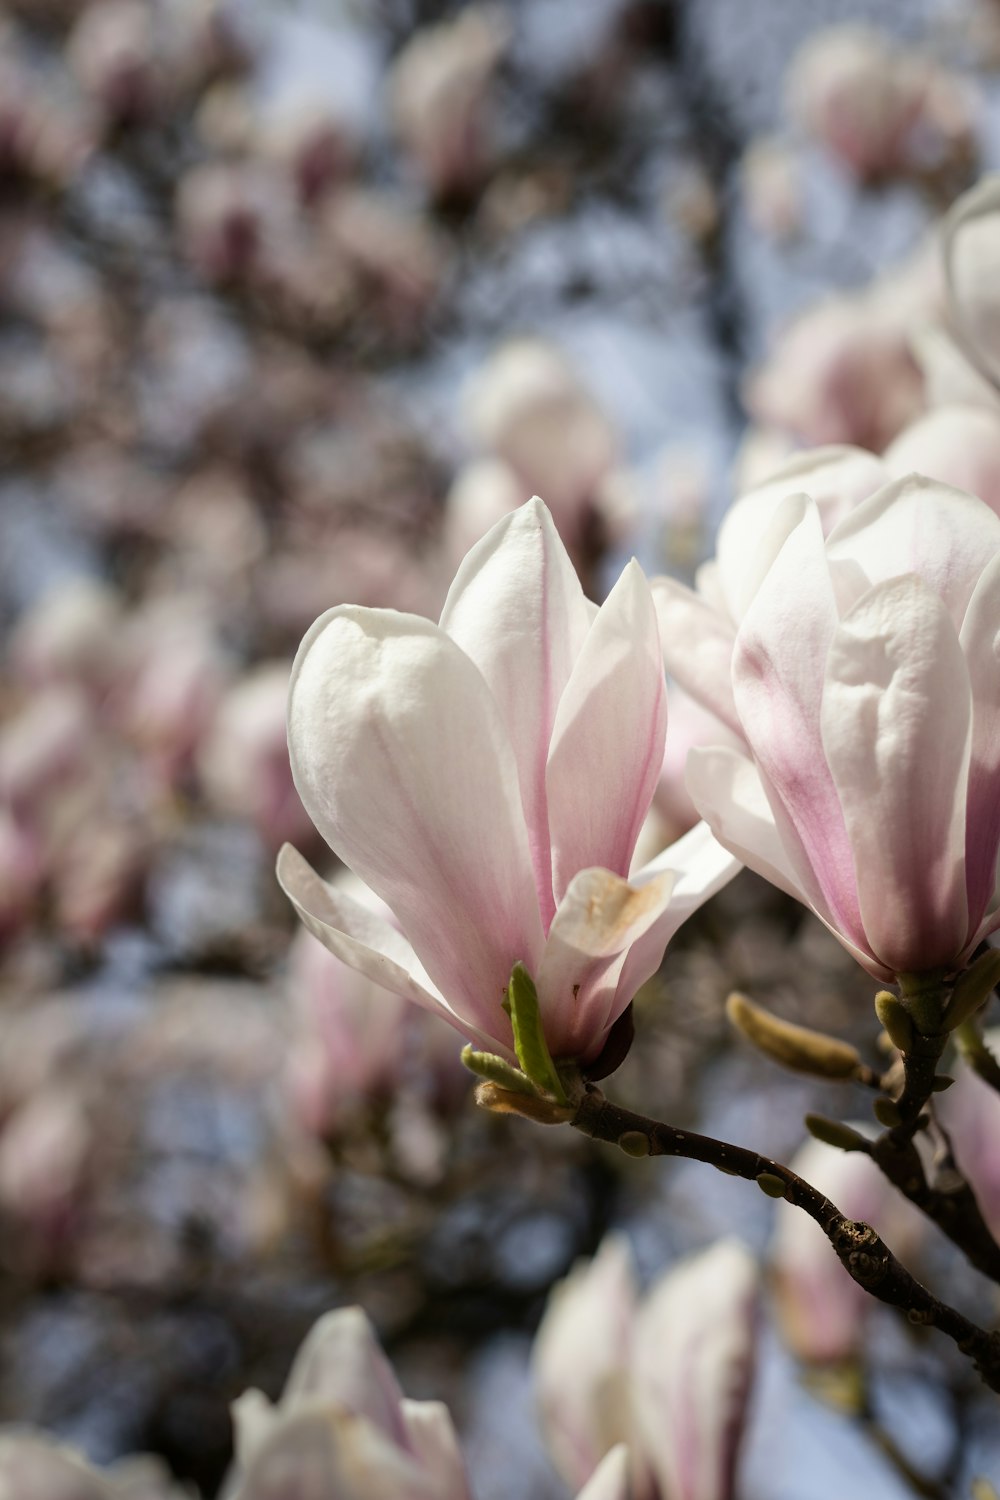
point(876, 106)
point(863, 680)
point(844, 370)
point(343, 1427)
point(528, 407)
point(669, 1374)
point(487, 778)
point(822, 1310)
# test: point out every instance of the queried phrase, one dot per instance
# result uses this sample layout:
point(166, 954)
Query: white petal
point(367, 942)
point(692, 1364)
point(897, 709)
point(580, 1356)
point(342, 1361)
point(727, 790)
point(402, 761)
point(697, 642)
point(778, 670)
point(609, 1480)
point(432, 1439)
point(754, 528)
point(608, 737)
point(752, 534)
point(916, 525)
point(517, 610)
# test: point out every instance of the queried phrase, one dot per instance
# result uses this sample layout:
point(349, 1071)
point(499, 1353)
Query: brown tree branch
point(864, 1255)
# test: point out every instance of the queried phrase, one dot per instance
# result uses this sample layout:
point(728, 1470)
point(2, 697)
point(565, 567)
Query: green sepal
point(536, 1062)
point(488, 1065)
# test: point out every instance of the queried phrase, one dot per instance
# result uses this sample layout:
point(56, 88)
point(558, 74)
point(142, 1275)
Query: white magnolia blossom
point(668, 1375)
point(488, 778)
point(864, 681)
point(343, 1427)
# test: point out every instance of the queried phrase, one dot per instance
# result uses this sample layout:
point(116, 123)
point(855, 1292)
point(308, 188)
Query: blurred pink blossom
point(440, 97)
point(822, 1311)
point(670, 1373)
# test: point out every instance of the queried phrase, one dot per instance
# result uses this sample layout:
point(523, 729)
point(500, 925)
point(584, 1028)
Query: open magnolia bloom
point(487, 778)
point(865, 683)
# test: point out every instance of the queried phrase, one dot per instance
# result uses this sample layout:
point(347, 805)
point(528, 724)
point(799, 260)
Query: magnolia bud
point(796, 1047)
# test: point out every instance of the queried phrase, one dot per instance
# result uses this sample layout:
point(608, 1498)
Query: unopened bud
point(532, 1051)
point(973, 989)
point(635, 1143)
point(771, 1184)
point(894, 1017)
point(795, 1047)
point(501, 1101)
point(835, 1133)
point(497, 1070)
point(887, 1113)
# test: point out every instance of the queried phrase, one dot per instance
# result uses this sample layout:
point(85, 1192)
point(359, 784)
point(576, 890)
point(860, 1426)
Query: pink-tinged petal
point(580, 1357)
point(402, 761)
point(368, 943)
point(727, 790)
point(778, 665)
point(980, 639)
point(754, 528)
point(608, 737)
point(897, 712)
point(917, 525)
point(517, 610)
point(692, 1366)
point(697, 642)
point(701, 867)
point(597, 921)
point(609, 1480)
point(752, 534)
point(958, 445)
point(432, 1438)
